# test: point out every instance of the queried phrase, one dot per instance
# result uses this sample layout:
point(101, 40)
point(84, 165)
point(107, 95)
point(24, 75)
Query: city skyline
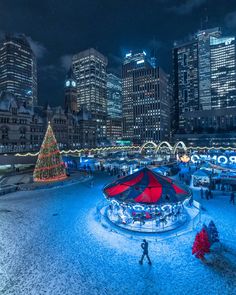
point(117, 147)
point(57, 31)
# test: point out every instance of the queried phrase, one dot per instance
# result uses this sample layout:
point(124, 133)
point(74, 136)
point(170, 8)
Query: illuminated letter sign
point(222, 160)
point(195, 158)
point(218, 159)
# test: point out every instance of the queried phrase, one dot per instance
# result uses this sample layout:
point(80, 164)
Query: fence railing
point(6, 189)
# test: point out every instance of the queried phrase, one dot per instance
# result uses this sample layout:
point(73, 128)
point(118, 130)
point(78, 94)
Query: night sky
point(59, 28)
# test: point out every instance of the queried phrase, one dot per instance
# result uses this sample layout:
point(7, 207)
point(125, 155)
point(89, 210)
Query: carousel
point(146, 201)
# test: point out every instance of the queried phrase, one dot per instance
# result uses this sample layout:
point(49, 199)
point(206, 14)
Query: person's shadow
point(222, 260)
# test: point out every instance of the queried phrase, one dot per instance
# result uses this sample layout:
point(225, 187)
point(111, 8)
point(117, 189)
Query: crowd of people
point(113, 171)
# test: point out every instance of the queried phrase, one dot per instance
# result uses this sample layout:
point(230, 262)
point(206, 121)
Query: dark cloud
point(155, 43)
point(65, 61)
point(49, 72)
point(38, 48)
point(114, 64)
point(186, 6)
point(230, 20)
point(115, 58)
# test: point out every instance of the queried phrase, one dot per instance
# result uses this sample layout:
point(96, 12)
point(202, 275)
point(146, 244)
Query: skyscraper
point(114, 96)
point(186, 90)
point(223, 72)
point(204, 65)
point(18, 69)
point(146, 105)
point(89, 67)
point(205, 86)
point(114, 108)
point(129, 65)
point(70, 92)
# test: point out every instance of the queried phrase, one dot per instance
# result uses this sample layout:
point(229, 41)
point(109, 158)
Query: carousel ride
point(146, 201)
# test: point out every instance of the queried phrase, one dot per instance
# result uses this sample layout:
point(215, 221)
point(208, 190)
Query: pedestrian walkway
point(16, 179)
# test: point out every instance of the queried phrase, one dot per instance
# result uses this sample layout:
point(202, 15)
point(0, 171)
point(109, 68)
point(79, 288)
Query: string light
point(58, 178)
point(43, 156)
point(48, 167)
point(135, 147)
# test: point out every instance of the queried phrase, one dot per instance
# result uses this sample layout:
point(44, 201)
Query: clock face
point(67, 83)
point(73, 83)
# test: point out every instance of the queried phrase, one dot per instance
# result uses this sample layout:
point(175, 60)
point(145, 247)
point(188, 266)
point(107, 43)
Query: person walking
point(232, 198)
point(144, 246)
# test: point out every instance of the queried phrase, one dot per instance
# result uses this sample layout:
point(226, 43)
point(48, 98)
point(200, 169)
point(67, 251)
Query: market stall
point(201, 178)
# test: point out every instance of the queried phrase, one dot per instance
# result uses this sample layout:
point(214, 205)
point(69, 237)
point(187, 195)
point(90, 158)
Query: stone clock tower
point(70, 92)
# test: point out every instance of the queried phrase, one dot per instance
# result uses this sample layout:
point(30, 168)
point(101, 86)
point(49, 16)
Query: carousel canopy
point(146, 187)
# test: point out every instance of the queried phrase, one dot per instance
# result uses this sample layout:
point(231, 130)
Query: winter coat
point(144, 246)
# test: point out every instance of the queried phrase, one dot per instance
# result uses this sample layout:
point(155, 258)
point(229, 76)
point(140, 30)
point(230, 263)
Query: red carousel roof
point(146, 187)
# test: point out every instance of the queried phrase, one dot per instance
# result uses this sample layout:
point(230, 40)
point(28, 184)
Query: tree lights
point(201, 245)
point(49, 166)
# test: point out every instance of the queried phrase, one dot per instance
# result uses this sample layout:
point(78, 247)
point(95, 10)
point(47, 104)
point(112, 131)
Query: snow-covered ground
point(52, 243)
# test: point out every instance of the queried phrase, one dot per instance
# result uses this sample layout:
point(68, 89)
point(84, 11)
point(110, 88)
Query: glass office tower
point(89, 67)
point(223, 72)
point(146, 105)
point(18, 69)
point(205, 86)
point(114, 96)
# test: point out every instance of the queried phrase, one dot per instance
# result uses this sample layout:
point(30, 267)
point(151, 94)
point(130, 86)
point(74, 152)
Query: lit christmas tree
point(49, 166)
point(201, 245)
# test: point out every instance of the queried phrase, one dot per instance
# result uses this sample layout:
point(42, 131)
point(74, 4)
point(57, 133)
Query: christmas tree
point(213, 233)
point(204, 226)
point(49, 166)
point(201, 245)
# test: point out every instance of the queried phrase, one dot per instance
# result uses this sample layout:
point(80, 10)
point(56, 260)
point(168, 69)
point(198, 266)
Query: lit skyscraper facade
point(223, 72)
point(89, 67)
point(205, 85)
point(146, 105)
point(204, 65)
point(18, 69)
point(114, 96)
point(185, 81)
point(114, 108)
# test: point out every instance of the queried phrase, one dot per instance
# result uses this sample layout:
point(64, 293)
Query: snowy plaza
point(53, 242)
point(118, 147)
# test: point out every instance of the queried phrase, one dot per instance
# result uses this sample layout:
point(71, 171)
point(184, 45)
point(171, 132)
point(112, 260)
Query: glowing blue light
point(144, 52)
point(128, 54)
point(140, 61)
point(138, 207)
